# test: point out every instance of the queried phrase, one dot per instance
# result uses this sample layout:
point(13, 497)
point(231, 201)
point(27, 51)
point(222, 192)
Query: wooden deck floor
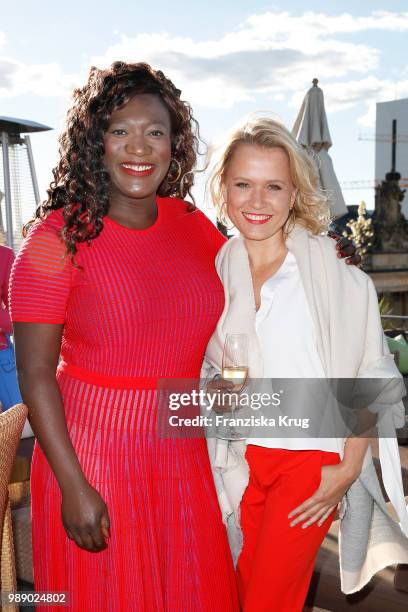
point(379, 595)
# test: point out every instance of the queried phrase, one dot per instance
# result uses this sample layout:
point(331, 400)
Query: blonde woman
point(285, 288)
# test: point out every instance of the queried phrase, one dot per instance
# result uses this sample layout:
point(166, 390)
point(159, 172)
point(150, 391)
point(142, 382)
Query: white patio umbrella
point(312, 131)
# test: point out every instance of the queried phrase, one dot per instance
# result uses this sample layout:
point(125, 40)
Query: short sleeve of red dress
point(40, 280)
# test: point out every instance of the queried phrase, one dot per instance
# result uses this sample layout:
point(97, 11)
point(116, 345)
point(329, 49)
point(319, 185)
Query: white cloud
point(340, 96)
point(17, 78)
point(369, 91)
point(275, 53)
point(320, 24)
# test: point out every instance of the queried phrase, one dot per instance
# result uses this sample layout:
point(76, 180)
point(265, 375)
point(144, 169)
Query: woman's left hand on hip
point(317, 508)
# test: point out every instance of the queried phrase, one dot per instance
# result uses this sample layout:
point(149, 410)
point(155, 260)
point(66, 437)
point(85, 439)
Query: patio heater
point(18, 180)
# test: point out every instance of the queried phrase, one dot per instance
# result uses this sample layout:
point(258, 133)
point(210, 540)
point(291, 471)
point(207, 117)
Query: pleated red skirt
point(168, 550)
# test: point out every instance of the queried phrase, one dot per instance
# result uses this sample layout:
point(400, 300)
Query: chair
point(11, 426)
point(20, 504)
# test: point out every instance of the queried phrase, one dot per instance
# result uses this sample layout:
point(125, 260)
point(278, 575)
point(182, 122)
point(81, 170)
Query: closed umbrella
point(312, 132)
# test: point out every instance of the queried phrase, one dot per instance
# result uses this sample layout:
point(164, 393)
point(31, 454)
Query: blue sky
point(229, 57)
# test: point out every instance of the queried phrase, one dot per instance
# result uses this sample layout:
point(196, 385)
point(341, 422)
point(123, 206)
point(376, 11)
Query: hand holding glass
point(234, 370)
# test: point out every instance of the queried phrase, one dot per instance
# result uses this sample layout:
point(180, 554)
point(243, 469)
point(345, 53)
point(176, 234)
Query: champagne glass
point(235, 360)
point(235, 370)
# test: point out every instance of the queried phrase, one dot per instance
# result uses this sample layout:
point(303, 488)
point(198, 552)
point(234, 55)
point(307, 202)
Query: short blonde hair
point(311, 204)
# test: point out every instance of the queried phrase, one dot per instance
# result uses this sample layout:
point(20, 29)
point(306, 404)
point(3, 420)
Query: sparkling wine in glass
point(235, 360)
point(234, 369)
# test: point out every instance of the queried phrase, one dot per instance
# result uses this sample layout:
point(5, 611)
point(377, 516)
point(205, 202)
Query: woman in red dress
point(115, 287)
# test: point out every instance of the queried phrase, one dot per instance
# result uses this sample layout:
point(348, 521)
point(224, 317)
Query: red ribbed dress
point(144, 306)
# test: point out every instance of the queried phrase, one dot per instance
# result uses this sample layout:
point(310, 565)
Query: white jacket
point(351, 344)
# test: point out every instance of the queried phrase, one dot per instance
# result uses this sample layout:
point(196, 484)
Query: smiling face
point(258, 190)
point(138, 148)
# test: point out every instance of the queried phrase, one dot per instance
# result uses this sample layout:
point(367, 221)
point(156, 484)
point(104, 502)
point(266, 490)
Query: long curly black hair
point(80, 185)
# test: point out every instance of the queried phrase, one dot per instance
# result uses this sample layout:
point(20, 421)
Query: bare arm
point(354, 452)
point(37, 352)
point(336, 479)
point(355, 446)
point(84, 513)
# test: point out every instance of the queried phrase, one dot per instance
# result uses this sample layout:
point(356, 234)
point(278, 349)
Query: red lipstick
point(256, 219)
point(138, 169)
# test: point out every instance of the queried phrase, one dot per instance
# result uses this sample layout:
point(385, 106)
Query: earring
point(175, 161)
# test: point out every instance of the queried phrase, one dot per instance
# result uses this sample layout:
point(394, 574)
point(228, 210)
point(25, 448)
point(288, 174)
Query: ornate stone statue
point(390, 225)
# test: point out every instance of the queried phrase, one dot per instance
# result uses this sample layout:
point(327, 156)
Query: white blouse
point(286, 334)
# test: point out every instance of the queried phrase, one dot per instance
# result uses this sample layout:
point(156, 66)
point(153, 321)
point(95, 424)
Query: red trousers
point(276, 562)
